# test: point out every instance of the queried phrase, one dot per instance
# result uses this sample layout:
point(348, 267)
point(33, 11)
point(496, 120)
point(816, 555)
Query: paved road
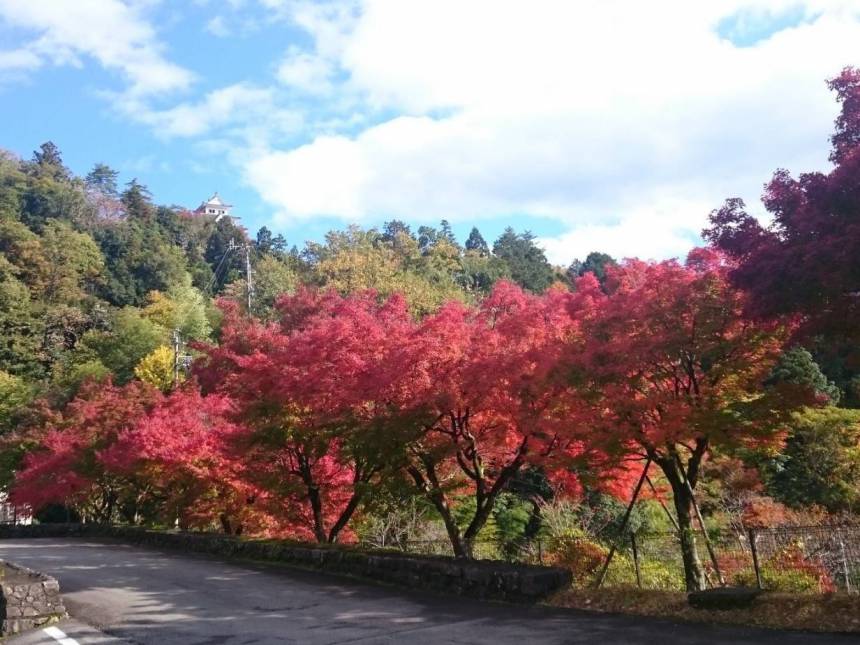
point(119, 593)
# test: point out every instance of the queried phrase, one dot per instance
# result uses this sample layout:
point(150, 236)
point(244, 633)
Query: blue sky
point(612, 125)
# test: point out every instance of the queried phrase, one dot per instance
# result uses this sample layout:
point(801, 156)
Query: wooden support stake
point(636, 560)
point(663, 504)
point(624, 522)
point(754, 549)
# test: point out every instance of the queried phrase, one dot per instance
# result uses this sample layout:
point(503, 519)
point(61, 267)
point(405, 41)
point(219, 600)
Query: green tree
point(355, 260)
point(595, 263)
point(479, 272)
point(820, 463)
point(183, 307)
point(15, 395)
point(224, 253)
point(19, 327)
point(477, 243)
point(526, 261)
point(47, 161)
point(120, 349)
point(13, 183)
point(47, 198)
point(272, 278)
point(103, 179)
point(264, 240)
point(446, 233)
point(139, 259)
point(69, 377)
point(797, 367)
point(73, 264)
point(137, 201)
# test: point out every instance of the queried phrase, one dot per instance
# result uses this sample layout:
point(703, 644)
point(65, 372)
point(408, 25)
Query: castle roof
point(215, 201)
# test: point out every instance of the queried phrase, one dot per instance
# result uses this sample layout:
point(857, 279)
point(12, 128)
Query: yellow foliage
point(161, 309)
point(156, 368)
point(354, 261)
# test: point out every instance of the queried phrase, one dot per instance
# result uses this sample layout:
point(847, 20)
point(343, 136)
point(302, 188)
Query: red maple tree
point(672, 367)
point(805, 261)
point(66, 467)
point(311, 390)
point(178, 450)
point(484, 383)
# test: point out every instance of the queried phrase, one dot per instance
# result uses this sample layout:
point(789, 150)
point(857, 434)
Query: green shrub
point(790, 570)
point(655, 574)
point(779, 580)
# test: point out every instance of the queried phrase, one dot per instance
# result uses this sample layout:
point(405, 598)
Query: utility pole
point(176, 345)
point(249, 285)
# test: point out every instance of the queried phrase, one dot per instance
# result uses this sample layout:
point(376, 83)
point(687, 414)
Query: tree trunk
point(314, 498)
point(430, 487)
point(694, 576)
point(316, 510)
point(345, 516)
point(693, 573)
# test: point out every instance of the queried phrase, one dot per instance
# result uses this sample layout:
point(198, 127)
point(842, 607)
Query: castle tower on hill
point(215, 207)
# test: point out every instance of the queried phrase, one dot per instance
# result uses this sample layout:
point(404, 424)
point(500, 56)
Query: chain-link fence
point(814, 559)
point(795, 559)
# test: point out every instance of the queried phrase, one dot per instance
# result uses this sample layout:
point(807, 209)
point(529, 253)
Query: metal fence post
point(845, 566)
point(752, 535)
point(636, 559)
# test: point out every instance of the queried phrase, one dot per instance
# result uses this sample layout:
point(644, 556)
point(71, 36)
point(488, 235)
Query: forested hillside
point(94, 277)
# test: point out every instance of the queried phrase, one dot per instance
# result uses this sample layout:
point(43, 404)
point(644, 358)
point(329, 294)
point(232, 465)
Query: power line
point(218, 268)
point(249, 284)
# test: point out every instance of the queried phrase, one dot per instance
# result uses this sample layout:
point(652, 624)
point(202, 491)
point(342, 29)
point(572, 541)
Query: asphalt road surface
point(117, 593)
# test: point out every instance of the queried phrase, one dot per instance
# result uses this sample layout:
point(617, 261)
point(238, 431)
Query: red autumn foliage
point(672, 367)
point(805, 262)
point(67, 468)
point(485, 378)
point(178, 450)
point(311, 390)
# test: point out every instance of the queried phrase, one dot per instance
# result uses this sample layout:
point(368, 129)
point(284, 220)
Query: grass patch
point(836, 612)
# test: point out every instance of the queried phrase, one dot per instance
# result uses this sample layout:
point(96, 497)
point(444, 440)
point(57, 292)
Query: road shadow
point(162, 597)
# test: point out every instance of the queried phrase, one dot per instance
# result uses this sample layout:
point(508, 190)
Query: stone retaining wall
point(477, 579)
point(28, 599)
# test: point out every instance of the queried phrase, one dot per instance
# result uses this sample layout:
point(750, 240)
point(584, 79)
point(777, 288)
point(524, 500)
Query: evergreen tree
point(103, 179)
point(446, 232)
point(596, 263)
point(137, 200)
point(526, 260)
point(819, 463)
point(390, 230)
point(264, 240)
point(427, 237)
point(279, 245)
point(477, 243)
point(797, 367)
point(48, 162)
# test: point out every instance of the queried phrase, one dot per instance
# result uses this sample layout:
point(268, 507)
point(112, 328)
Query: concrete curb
point(476, 579)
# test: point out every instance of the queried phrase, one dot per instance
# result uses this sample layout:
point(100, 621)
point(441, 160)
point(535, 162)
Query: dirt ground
point(815, 612)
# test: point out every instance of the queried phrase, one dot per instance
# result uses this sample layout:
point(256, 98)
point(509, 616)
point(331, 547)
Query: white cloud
point(113, 33)
point(306, 72)
point(242, 106)
point(627, 121)
point(659, 231)
point(217, 26)
point(19, 60)
point(146, 164)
